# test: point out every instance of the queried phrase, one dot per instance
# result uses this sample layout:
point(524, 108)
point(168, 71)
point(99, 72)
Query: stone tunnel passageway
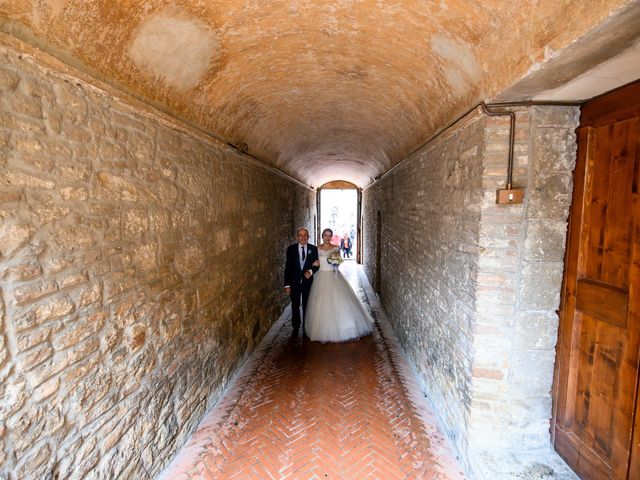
point(308, 410)
point(156, 159)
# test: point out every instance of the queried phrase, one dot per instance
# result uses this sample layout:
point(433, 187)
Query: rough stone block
point(34, 162)
point(532, 373)
point(72, 280)
point(54, 308)
point(189, 259)
point(536, 330)
point(36, 463)
point(540, 286)
point(47, 389)
point(74, 194)
point(31, 338)
point(73, 171)
point(550, 196)
point(135, 222)
point(145, 257)
point(4, 351)
point(29, 359)
point(9, 80)
point(69, 237)
point(95, 386)
point(24, 180)
point(80, 350)
point(114, 187)
point(545, 241)
point(29, 293)
point(27, 145)
point(24, 271)
point(527, 411)
point(72, 100)
point(78, 329)
point(10, 196)
point(140, 148)
point(43, 210)
point(555, 116)
point(23, 104)
point(554, 149)
point(74, 133)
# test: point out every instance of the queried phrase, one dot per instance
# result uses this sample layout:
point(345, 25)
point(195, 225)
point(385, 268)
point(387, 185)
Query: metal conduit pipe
point(483, 105)
point(512, 131)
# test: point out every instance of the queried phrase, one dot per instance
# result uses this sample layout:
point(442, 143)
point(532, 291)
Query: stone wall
point(471, 286)
point(519, 280)
point(140, 262)
point(430, 211)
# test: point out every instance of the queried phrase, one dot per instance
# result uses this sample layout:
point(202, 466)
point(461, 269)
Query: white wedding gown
point(334, 313)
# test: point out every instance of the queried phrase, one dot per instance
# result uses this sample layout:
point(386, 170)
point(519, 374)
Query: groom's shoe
point(304, 334)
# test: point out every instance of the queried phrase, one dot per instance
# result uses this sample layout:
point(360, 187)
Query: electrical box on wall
point(509, 196)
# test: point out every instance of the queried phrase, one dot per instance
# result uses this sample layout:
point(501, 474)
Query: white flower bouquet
point(335, 259)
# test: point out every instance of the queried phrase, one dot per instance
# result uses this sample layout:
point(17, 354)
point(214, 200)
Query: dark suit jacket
point(292, 272)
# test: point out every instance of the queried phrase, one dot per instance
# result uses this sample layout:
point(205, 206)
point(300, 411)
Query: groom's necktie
point(302, 257)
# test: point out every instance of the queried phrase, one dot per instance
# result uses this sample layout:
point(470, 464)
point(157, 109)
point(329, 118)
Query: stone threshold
point(544, 464)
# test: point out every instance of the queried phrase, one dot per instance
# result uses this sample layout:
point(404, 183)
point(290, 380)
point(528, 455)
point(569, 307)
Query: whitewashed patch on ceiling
point(174, 47)
point(460, 68)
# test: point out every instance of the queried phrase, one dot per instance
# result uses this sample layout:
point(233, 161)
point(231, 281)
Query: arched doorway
point(339, 208)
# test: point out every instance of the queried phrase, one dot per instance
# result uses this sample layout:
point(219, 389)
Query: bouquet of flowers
point(335, 259)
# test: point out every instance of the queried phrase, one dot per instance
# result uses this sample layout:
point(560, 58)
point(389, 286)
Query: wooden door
point(598, 350)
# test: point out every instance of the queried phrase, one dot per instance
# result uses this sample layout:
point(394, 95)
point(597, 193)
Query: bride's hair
point(327, 230)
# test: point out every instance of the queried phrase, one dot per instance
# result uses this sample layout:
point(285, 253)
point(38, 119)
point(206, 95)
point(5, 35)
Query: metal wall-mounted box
point(510, 196)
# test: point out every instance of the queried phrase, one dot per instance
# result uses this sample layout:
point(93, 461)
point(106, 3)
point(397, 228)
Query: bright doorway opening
point(339, 212)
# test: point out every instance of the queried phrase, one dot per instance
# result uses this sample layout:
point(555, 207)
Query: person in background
point(345, 246)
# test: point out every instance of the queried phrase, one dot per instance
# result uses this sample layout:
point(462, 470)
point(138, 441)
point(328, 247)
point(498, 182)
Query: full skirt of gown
point(334, 313)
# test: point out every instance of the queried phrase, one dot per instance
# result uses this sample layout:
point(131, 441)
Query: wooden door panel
point(610, 219)
point(634, 463)
point(603, 302)
point(598, 386)
point(581, 458)
point(599, 343)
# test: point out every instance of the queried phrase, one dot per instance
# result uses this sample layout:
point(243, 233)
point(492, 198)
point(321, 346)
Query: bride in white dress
point(334, 313)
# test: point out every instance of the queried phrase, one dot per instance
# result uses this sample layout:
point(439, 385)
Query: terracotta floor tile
point(306, 410)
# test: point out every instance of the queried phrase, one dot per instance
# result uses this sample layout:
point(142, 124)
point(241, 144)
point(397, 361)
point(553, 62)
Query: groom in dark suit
point(301, 264)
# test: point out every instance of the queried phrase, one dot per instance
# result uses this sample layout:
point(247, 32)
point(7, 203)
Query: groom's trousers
point(301, 292)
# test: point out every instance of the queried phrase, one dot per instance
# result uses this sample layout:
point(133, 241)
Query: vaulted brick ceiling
point(319, 89)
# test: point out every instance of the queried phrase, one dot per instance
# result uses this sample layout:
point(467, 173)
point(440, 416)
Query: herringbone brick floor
point(306, 410)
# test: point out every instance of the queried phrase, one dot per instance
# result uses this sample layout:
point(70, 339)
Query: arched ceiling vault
point(320, 90)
